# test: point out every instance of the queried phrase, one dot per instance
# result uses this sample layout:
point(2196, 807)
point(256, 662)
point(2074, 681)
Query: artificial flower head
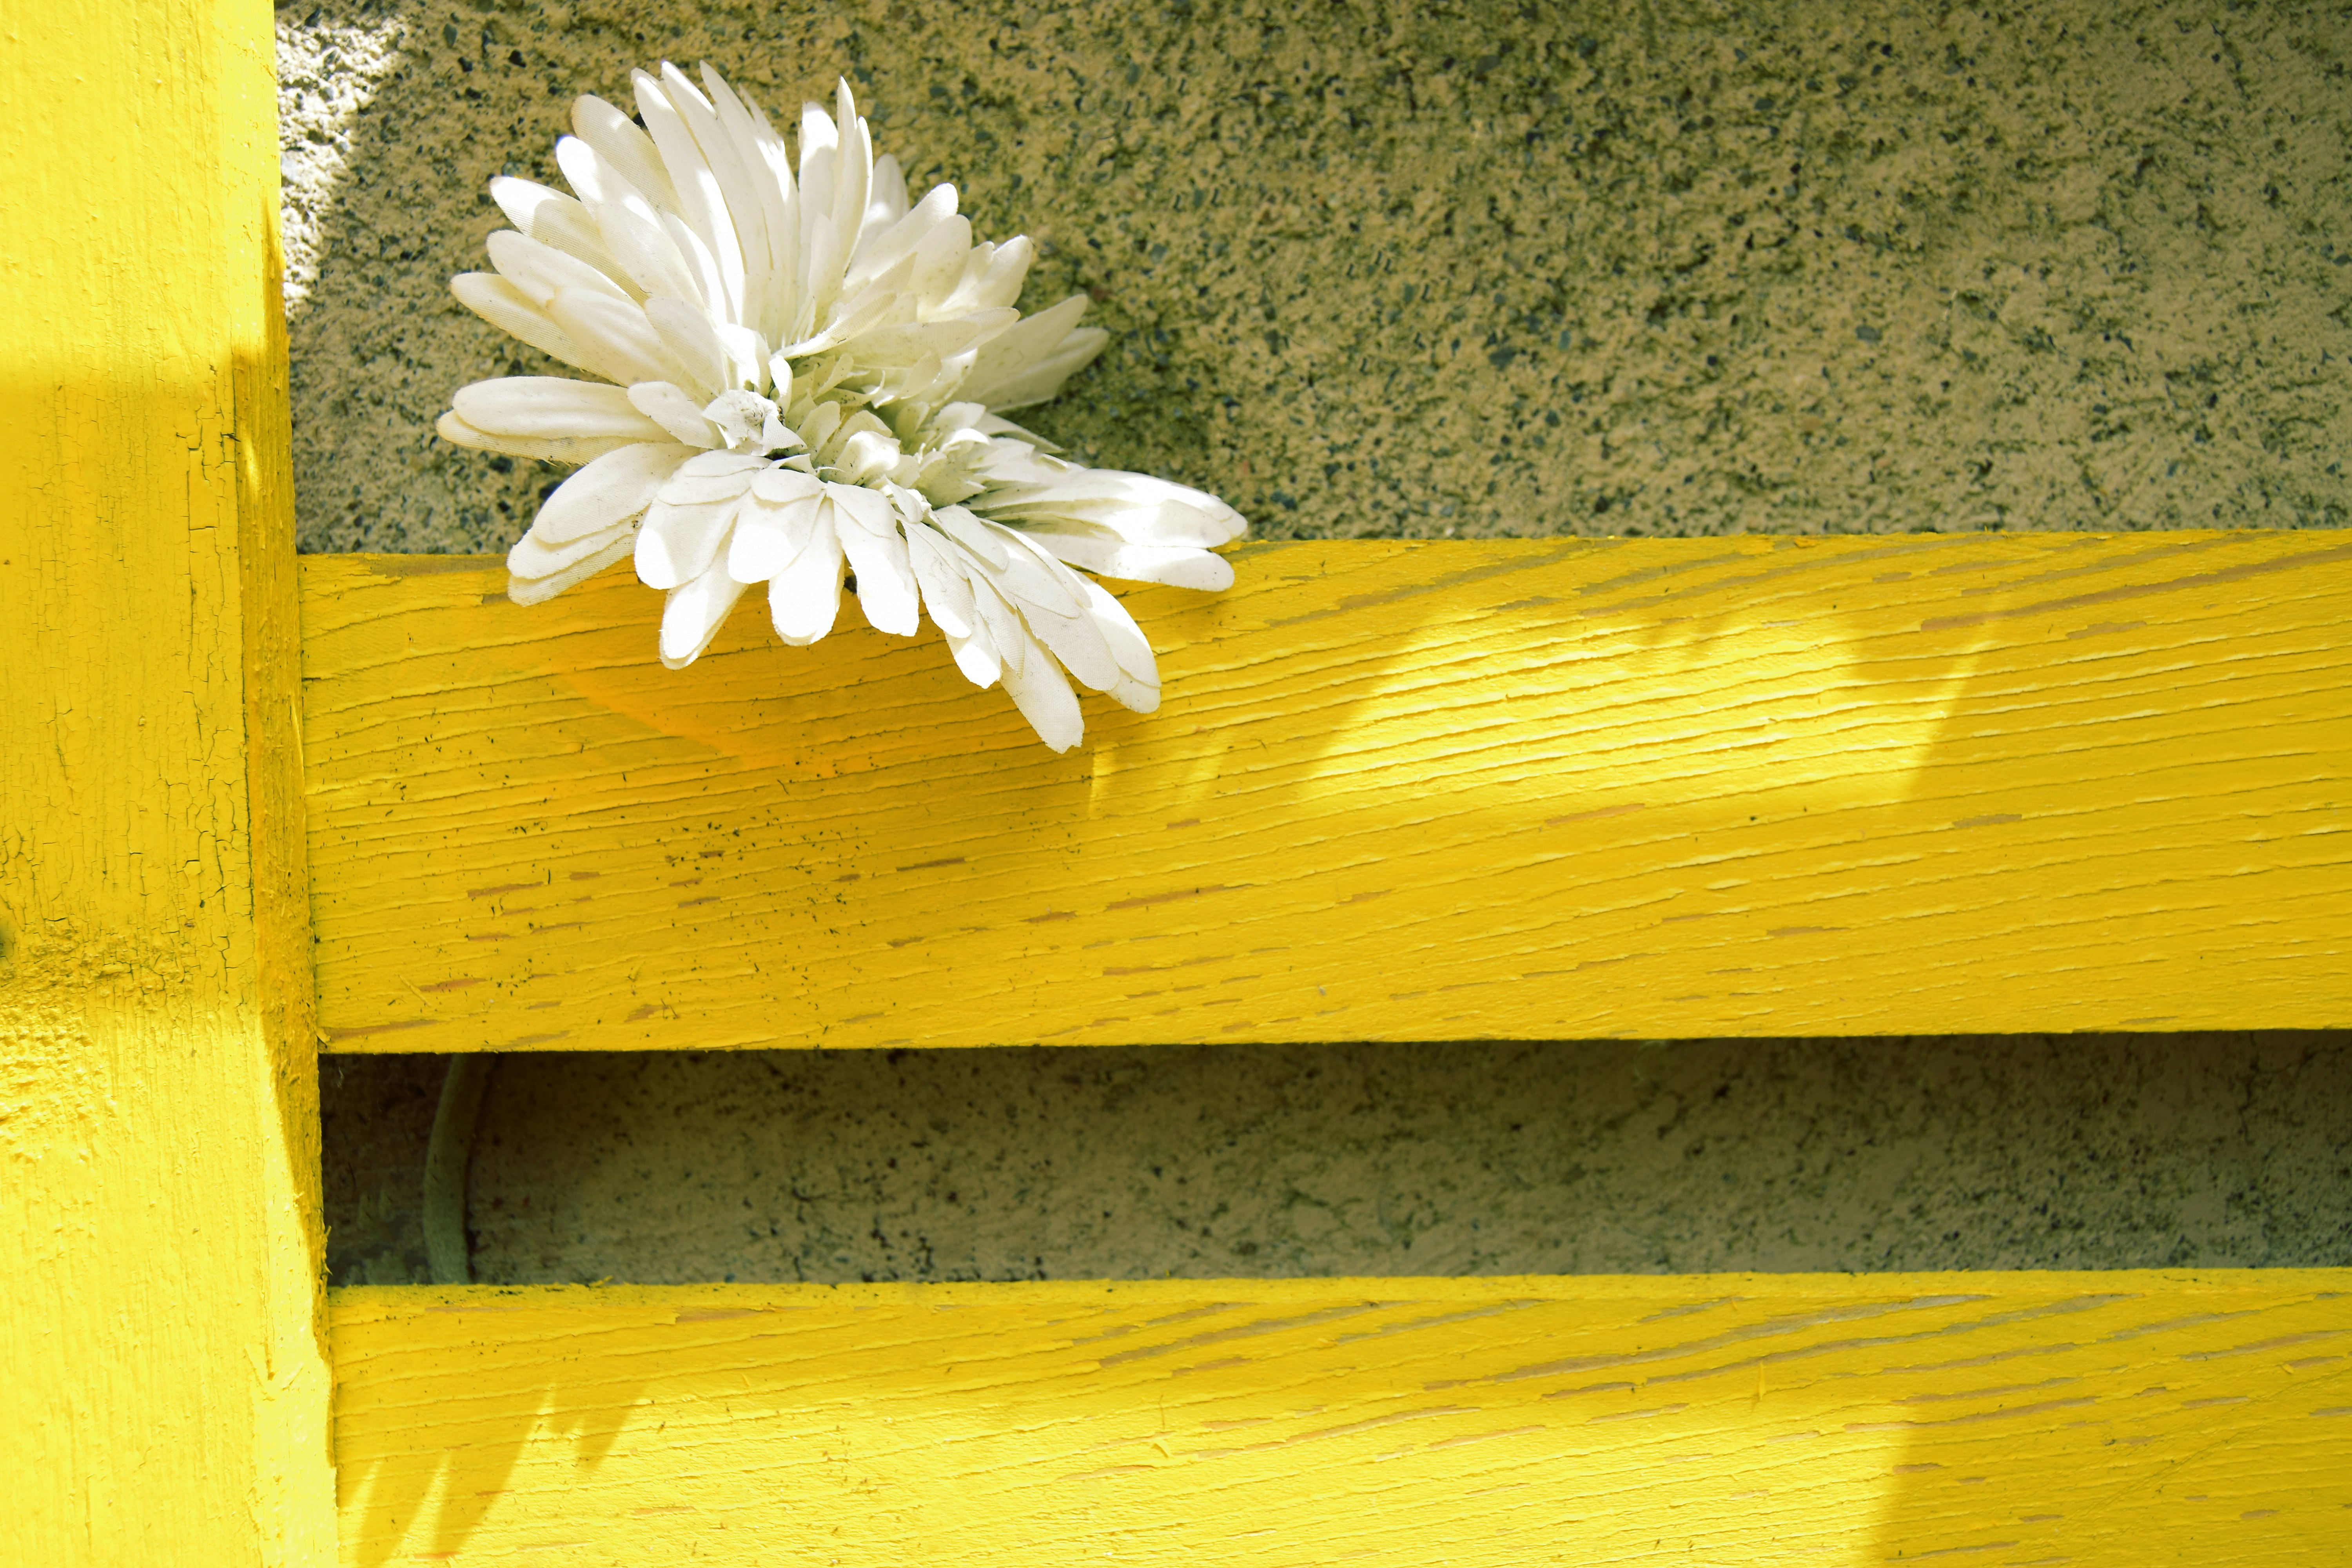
point(802, 378)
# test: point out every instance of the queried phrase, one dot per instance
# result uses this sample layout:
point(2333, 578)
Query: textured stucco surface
point(1492, 269)
point(1426, 269)
point(2025, 1152)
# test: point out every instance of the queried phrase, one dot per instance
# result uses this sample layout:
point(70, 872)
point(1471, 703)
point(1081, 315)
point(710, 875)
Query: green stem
point(445, 1158)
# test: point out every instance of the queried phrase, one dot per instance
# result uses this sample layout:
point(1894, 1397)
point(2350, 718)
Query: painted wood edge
point(356, 1304)
point(286, 1004)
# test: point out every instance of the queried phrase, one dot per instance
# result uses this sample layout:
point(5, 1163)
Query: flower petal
point(946, 594)
point(686, 335)
point(560, 221)
point(610, 490)
point(905, 343)
point(768, 538)
point(514, 312)
point(820, 138)
point(677, 544)
point(1138, 685)
point(533, 558)
point(521, 200)
point(692, 614)
point(747, 355)
point(884, 249)
point(996, 425)
point(820, 268)
point(870, 509)
point(1133, 527)
point(702, 261)
point(758, 187)
point(886, 199)
point(993, 276)
point(824, 247)
point(627, 151)
point(619, 341)
point(1000, 621)
point(853, 168)
point(690, 522)
point(781, 195)
point(540, 269)
point(1065, 624)
point(1033, 576)
point(546, 448)
point(1077, 643)
point(1043, 380)
point(539, 590)
point(714, 475)
point(1177, 566)
point(940, 257)
point(977, 658)
point(1040, 494)
point(628, 224)
point(804, 598)
point(880, 300)
point(553, 407)
point(678, 415)
point(968, 531)
point(886, 583)
point(1042, 693)
point(1002, 376)
point(780, 485)
point(669, 107)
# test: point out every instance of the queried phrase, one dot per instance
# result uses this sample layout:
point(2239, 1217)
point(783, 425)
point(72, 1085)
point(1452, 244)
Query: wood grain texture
point(1542, 789)
point(162, 1322)
point(2112, 1419)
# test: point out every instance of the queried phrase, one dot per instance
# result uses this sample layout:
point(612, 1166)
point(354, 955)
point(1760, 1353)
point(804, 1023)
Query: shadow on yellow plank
point(1537, 789)
point(2092, 1419)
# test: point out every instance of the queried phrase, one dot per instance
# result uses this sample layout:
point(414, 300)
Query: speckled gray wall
point(1428, 269)
point(1478, 268)
point(2025, 1152)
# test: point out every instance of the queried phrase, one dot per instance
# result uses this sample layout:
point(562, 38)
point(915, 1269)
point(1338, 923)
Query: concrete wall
point(2027, 1152)
point(1487, 269)
point(1436, 269)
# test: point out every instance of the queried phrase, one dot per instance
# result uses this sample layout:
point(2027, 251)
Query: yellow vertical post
point(160, 1325)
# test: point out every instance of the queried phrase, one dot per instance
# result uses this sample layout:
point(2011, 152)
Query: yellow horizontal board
point(2116, 1418)
point(1531, 789)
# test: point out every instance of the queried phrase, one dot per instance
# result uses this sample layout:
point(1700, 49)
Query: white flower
point(803, 377)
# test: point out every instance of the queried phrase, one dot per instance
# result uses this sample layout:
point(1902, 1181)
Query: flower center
point(749, 422)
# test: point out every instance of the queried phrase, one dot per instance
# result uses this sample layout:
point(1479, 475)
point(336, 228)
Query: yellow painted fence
point(1546, 790)
point(1398, 790)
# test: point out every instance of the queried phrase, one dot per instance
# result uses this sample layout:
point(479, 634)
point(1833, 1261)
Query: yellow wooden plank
point(2116, 1418)
point(1540, 789)
point(162, 1329)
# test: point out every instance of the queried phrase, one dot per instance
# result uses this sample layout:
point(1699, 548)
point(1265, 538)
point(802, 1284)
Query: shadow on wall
point(1820, 267)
